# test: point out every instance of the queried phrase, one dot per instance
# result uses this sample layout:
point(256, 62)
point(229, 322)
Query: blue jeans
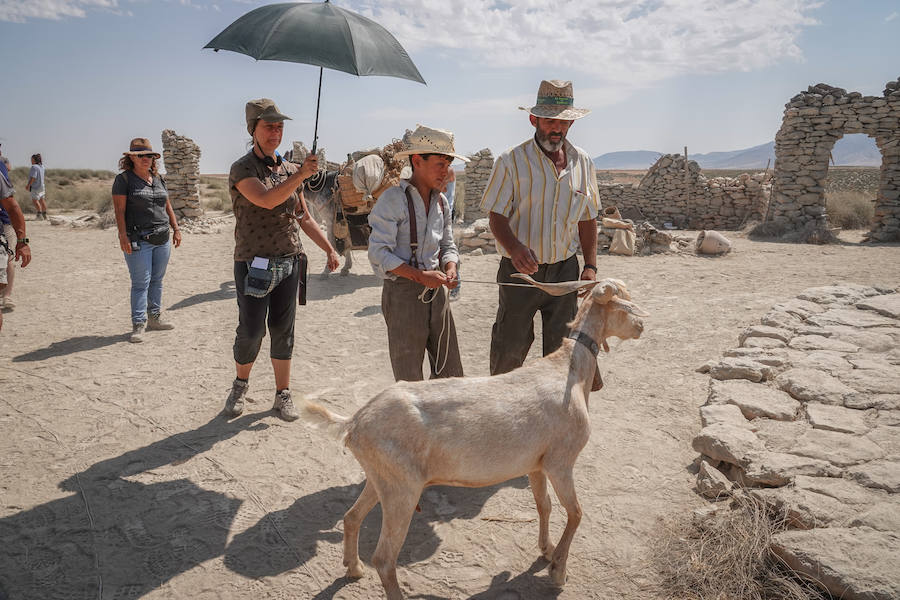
point(147, 266)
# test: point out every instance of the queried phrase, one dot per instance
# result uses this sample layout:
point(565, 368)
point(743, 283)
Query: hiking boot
point(137, 333)
point(285, 406)
point(157, 323)
point(234, 405)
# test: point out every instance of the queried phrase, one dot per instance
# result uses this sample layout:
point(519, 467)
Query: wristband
point(22, 241)
point(589, 266)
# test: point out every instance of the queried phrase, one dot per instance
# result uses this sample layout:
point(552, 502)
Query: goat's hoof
point(356, 570)
point(557, 575)
point(547, 552)
point(345, 272)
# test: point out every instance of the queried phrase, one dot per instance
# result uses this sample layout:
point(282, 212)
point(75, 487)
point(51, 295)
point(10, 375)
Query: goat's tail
point(319, 417)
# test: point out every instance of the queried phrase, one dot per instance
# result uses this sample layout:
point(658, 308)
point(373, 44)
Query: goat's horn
point(560, 288)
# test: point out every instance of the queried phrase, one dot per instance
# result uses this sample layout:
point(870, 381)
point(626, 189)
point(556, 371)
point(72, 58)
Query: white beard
point(547, 145)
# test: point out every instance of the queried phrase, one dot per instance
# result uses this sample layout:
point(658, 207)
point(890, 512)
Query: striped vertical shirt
point(543, 207)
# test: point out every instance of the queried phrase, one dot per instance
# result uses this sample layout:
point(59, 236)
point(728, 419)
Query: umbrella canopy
point(318, 33)
point(321, 34)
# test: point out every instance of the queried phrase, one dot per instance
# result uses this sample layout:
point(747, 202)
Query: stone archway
point(813, 121)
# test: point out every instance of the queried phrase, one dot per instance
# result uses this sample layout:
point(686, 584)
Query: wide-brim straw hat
point(141, 147)
point(555, 100)
point(425, 140)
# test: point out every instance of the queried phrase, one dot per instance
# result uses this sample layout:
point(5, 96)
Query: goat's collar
point(586, 341)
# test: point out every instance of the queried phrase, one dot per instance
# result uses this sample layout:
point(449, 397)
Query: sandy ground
point(120, 478)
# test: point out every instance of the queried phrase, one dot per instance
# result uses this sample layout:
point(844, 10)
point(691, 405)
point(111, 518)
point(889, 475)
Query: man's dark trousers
point(513, 330)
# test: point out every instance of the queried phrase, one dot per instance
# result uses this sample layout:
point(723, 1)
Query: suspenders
point(413, 229)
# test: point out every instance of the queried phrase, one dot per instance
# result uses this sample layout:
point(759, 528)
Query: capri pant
point(277, 309)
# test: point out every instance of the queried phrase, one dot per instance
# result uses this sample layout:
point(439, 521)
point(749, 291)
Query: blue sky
point(82, 77)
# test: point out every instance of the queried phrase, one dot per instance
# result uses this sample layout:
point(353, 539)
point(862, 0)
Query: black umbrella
point(318, 33)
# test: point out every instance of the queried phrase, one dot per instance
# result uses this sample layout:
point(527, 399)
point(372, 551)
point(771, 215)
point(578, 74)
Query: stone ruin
point(674, 191)
point(805, 416)
point(182, 160)
point(477, 173)
point(813, 121)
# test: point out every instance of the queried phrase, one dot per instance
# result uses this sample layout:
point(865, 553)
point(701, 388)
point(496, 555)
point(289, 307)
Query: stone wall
point(478, 170)
point(182, 159)
point(804, 416)
point(813, 121)
point(684, 197)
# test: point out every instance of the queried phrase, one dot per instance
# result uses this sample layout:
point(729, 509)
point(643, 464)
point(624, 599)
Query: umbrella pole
point(318, 102)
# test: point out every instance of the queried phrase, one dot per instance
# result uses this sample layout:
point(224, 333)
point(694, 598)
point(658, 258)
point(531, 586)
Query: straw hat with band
point(141, 147)
point(265, 109)
point(425, 140)
point(555, 100)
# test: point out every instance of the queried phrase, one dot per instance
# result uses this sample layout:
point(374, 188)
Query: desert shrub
point(849, 209)
point(216, 199)
point(727, 555)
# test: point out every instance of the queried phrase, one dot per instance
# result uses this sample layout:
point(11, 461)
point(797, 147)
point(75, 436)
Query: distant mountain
point(629, 160)
point(854, 150)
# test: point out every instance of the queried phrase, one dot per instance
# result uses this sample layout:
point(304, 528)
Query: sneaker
point(157, 323)
point(285, 406)
point(7, 302)
point(234, 405)
point(137, 333)
point(454, 294)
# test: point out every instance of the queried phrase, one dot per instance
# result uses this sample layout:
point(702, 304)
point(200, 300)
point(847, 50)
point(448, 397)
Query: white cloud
point(19, 11)
point(617, 40)
point(892, 16)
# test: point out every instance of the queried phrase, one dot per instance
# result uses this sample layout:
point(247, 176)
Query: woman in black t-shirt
point(143, 216)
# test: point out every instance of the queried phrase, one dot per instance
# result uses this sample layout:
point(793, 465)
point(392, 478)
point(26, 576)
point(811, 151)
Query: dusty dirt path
point(119, 474)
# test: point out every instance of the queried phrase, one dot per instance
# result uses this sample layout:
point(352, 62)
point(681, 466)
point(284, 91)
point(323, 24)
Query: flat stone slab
point(873, 381)
point(765, 356)
point(806, 509)
point(780, 468)
point(887, 305)
point(884, 516)
point(782, 320)
point(856, 563)
point(879, 401)
point(852, 317)
point(725, 414)
point(841, 449)
point(754, 400)
point(836, 418)
point(849, 293)
point(824, 360)
point(740, 368)
point(882, 475)
point(727, 443)
point(818, 342)
point(711, 483)
point(866, 340)
point(811, 385)
point(765, 331)
point(843, 490)
point(800, 308)
point(762, 342)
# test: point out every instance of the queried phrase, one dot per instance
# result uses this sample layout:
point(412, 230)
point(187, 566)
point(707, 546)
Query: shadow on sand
point(226, 291)
point(140, 535)
point(82, 343)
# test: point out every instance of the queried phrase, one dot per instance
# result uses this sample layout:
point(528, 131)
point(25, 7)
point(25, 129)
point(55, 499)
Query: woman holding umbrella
point(269, 263)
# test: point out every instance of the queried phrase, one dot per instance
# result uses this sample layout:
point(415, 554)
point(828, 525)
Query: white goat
point(480, 431)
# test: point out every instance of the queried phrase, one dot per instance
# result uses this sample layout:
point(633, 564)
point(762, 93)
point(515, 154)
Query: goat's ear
point(631, 308)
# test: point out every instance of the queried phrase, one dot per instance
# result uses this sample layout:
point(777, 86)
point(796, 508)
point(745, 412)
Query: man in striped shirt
point(543, 202)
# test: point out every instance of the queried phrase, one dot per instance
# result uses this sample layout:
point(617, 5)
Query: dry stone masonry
point(678, 193)
point(806, 414)
point(813, 121)
point(182, 160)
point(478, 171)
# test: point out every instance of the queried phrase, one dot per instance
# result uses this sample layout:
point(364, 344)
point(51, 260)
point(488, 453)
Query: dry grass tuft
point(726, 556)
point(849, 209)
